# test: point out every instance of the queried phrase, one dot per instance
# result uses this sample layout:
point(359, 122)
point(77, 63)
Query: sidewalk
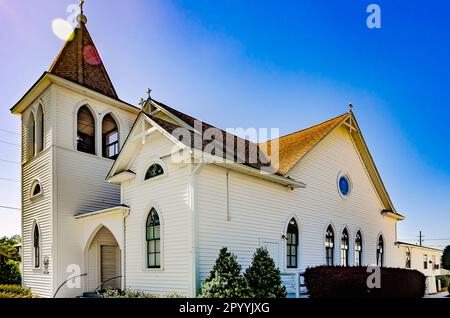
point(438, 295)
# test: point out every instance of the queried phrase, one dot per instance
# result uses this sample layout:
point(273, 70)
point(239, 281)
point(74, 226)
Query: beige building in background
point(426, 260)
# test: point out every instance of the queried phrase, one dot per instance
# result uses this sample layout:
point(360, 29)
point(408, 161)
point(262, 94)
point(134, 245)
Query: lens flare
point(62, 29)
point(91, 55)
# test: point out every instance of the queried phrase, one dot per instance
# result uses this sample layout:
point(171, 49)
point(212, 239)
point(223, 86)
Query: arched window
point(329, 246)
point(31, 137)
point(344, 248)
point(110, 137)
point(153, 171)
point(36, 188)
point(85, 131)
point(153, 237)
point(408, 258)
point(39, 129)
point(358, 249)
point(380, 251)
point(36, 246)
point(292, 244)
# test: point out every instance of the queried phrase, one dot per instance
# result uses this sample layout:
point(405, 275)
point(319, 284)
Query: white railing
point(294, 283)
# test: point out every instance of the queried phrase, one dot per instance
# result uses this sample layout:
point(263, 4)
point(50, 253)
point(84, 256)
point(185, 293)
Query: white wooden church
point(103, 196)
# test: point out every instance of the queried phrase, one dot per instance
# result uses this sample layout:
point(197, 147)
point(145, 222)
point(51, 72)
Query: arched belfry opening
point(85, 131)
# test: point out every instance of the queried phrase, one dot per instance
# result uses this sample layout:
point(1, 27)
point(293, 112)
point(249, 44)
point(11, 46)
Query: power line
point(9, 207)
point(8, 143)
point(424, 239)
point(438, 239)
point(10, 180)
point(9, 131)
point(9, 161)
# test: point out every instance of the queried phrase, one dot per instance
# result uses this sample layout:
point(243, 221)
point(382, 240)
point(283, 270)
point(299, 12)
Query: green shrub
point(226, 280)
point(174, 295)
point(127, 293)
point(12, 295)
point(351, 282)
point(8, 248)
point(445, 281)
point(14, 291)
point(10, 273)
point(264, 279)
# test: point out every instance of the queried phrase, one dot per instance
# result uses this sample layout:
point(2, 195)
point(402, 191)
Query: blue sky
point(284, 64)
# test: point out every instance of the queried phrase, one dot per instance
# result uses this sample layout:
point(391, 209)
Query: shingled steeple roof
point(80, 62)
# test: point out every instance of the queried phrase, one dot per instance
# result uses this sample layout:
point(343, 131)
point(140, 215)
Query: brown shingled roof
point(80, 62)
point(292, 147)
point(250, 149)
point(295, 146)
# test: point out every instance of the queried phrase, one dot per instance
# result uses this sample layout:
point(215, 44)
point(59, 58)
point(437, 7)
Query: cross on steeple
point(81, 6)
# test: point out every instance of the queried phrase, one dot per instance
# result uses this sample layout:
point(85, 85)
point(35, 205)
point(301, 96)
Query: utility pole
point(420, 238)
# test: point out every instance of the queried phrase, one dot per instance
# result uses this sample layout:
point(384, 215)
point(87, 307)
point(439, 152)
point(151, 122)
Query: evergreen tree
point(10, 273)
point(263, 277)
point(226, 280)
point(446, 258)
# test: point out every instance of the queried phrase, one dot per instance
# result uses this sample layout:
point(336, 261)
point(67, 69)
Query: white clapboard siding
point(168, 195)
point(73, 183)
point(80, 177)
point(260, 210)
point(37, 210)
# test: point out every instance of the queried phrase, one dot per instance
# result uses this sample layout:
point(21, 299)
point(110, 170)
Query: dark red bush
point(351, 282)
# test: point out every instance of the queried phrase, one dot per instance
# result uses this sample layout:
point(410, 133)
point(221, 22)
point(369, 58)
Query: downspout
point(194, 226)
point(124, 256)
point(124, 267)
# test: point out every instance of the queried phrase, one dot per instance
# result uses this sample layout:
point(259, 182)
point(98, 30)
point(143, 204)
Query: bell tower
point(73, 127)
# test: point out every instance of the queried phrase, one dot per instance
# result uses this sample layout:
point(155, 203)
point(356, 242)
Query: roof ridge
point(203, 122)
point(308, 128)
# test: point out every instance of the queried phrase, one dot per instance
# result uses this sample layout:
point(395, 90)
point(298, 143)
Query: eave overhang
point(47, 79)
point(121, 209)
point(122, 177)
point(392, 215)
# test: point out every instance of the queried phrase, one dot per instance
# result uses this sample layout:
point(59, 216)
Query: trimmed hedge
point(129, 293)
point(14, 291)
point(351, 282)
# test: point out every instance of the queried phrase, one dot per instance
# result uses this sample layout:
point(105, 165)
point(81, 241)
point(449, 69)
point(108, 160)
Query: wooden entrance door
point(110, 262)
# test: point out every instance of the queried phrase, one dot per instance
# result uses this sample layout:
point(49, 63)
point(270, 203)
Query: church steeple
point(80, 62)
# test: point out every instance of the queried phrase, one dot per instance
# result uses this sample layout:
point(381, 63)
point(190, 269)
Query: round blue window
point(344, 185)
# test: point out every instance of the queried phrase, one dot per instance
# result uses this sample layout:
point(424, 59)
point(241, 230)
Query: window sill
point(145, 181)
point(156, 269)
point(37, 196)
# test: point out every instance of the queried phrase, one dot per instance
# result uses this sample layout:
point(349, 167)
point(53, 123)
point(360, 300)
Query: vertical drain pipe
point(228, 196)
point(194, 220)
point(124, 256)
